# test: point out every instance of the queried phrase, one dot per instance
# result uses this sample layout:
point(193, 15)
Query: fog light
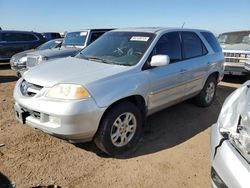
point(217, 180)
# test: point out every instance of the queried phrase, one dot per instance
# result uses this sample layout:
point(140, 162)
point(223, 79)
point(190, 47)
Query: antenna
point(183, 24)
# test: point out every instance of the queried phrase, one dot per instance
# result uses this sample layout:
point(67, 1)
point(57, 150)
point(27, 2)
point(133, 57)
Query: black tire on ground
point(200, 99)
point(103, 136)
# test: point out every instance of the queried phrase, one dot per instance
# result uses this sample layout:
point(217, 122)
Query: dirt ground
point(173, 151)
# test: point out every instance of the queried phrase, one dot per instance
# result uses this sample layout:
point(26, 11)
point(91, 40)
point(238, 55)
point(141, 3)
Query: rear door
point(194, 67)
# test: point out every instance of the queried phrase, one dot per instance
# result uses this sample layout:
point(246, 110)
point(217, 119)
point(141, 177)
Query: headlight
point(243, 55)
point(42, 58)
point(22, 60)
point(68, 91)
point(12, 59)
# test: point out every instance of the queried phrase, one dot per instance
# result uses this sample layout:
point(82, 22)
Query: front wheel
point(207, 94)
point(119, 129)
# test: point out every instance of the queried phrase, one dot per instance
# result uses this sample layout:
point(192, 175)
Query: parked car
point(51, 35)
point(230, 141)
point(106, 92)
point(236, 48)
point(12, 42)
point(72, 44)
point(18, 61)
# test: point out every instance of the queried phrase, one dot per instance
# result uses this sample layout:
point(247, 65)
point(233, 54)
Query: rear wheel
point(207, 94)
point(119, 129)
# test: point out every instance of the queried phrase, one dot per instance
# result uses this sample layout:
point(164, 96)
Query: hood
point(240, 47)
point(22, 54)
point(234, 119)
point(71, 70)
point(56, 52)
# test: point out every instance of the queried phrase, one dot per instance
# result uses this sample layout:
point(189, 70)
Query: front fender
point(106, 92)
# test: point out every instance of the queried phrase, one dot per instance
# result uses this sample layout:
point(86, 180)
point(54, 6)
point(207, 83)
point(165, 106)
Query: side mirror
point(159, 60)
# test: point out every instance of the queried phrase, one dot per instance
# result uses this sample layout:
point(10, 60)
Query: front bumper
point(75, 120)
point(235, 69)
point(227, 162)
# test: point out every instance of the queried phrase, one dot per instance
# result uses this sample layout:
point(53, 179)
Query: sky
point(70, 15)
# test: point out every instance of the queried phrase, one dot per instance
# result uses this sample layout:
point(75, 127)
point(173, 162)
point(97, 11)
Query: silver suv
point(106, 92)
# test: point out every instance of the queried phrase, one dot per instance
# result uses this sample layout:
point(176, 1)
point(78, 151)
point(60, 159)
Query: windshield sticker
point(139, 38)
point(83, 33)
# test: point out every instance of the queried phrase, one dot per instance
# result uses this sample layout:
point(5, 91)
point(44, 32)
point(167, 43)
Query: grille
point(29, 89)
point(32, 61)
point(235, 57)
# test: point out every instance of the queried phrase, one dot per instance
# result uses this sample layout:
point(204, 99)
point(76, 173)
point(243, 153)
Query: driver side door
point(166, 83)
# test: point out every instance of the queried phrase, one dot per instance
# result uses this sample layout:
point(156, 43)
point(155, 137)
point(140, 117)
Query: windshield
point(50, 44)
point(121, 48)
point(75, 38)
point(235, 38)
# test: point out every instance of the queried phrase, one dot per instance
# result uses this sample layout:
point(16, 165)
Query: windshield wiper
point(91, 58)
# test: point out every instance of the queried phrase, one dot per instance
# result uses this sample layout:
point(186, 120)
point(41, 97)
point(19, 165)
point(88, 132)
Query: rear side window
point(169, 44)
point(29, 37)
point(212, 41)
point(192, 45)
point(18, 37)
point(95, 35)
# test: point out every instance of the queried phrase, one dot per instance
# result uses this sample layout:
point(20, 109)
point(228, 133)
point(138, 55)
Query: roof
point(244, 31)
point(99, 29)
point(16, 31)
point(155, 29)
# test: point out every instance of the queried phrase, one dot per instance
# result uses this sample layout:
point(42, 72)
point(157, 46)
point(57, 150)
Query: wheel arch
point(137, 100)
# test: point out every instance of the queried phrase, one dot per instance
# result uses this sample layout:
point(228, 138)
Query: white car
point(230, 141)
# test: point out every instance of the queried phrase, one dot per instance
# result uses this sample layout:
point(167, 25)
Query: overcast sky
point(68, 15)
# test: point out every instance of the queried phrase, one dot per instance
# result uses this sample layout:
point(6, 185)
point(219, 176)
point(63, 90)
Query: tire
point(207, 94)
point(108, 128)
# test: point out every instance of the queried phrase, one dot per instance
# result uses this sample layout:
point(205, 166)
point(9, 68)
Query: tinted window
point(169, 44)
point(29, 37)
point(192, 45)
point(17, 37)
point(95, 36)
point(212, 41)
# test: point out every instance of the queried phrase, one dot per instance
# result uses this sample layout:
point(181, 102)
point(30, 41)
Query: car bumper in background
point(235, 69)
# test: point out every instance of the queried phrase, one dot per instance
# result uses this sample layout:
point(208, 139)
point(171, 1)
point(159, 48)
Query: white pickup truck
point(236, 49)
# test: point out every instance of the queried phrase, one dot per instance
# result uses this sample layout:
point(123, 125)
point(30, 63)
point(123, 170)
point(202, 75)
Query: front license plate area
point(21, 114)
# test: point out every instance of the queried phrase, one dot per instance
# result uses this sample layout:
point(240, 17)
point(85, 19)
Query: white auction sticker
point(83, 33)
point(139, 38)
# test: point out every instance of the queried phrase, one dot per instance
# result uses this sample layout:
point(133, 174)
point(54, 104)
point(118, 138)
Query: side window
point(95, 35)
point(169, 44)
point(12, 37)
point(18, 37)
point(212, 41)
point(192, 45)
point(28, 37)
